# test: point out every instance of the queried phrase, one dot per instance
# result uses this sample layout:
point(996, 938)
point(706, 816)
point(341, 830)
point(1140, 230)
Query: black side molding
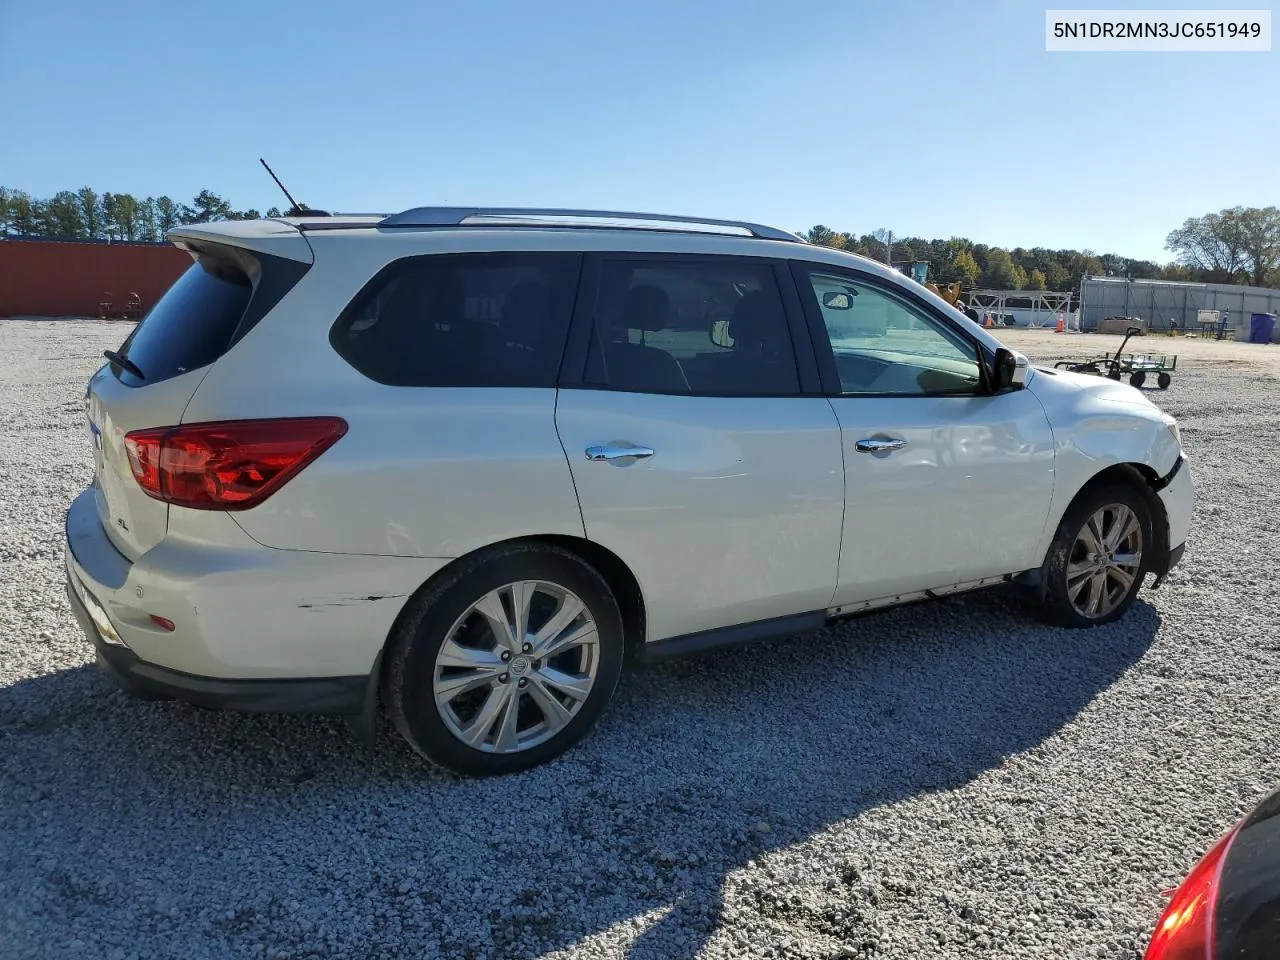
point(1169, 555)
point(1168, 477)
point(693, 643)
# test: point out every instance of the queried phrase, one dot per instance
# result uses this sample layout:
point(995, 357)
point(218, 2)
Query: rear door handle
point(878, 444)
point(618, 451)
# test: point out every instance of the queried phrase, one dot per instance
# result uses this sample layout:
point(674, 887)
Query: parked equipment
point(1136, 367)
point(949, 292)
point(1261, 327)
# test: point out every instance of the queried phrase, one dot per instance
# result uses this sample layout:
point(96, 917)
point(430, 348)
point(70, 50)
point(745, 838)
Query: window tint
point(192, 324)
point(883, 344)
point(484, 320)
point(712, 327)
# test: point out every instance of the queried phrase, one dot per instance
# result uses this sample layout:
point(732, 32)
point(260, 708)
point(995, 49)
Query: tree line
point(85, 214)
point(1237, 245)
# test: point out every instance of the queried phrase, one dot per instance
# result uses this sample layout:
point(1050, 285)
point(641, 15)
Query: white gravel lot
point(943, 781)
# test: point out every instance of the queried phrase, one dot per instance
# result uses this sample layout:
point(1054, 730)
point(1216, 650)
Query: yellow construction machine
point(918, 270)
point(949, 292)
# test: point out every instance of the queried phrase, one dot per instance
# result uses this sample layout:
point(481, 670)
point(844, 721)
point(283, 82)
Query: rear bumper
point(242, 613)
point(304, 695)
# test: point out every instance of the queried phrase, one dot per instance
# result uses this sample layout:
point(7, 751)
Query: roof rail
point(554, 217)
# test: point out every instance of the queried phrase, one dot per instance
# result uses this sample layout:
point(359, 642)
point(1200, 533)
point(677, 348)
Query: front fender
point(1105, 433)
point(1099, 424)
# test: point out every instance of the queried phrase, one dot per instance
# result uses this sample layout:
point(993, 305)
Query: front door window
point(885, 346)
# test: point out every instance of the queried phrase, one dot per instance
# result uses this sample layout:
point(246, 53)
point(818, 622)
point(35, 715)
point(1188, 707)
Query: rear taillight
point(1185, 930)
point(232, 465)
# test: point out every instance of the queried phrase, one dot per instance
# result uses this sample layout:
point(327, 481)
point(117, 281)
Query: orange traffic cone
point(1062, 326)
point(989, 324)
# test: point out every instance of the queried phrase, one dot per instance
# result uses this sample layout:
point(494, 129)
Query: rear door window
point(701, 326)
point(192, 324)
point(462, 320)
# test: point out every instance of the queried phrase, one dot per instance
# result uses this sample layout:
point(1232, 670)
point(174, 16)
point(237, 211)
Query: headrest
point(646, 308)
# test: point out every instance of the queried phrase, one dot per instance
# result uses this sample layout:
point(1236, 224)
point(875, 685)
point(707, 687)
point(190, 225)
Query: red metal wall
point(54, 278)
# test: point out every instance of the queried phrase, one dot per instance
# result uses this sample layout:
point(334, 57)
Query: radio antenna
point(295, 209)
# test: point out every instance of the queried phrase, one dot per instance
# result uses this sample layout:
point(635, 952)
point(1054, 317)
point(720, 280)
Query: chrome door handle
point(876, 445)
point(618, 451)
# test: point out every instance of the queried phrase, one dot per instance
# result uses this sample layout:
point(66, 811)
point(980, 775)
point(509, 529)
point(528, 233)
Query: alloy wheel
point(1105, 560)
point(516, 667)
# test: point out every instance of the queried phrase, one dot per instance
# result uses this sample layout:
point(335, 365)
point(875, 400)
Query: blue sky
point(932, 119)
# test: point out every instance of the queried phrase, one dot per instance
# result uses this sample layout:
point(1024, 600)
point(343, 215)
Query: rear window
point(192, 324)
point(462, 320)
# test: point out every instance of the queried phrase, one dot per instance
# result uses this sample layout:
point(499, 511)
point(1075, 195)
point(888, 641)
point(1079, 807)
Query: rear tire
point(1138, 379)
point(1163, 380)
point(464, 682)
point(1099, 558)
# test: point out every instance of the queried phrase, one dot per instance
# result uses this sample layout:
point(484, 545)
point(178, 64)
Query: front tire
point(1100, 557)
point(507, 663)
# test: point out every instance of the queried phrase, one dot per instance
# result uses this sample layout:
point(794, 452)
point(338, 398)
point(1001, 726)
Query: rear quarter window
point(223, 293)
point(462, 320)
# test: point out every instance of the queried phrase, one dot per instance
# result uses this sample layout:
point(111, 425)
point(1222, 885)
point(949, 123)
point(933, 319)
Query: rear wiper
point(120, 360)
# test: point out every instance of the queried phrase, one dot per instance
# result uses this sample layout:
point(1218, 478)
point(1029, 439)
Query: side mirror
point(835, 300)
point(1011, 370)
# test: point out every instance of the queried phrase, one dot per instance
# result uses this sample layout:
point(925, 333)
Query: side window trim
point(806, 351)
point(577, 348)
point(801, 270)
point(573, 371)
point(269, 288)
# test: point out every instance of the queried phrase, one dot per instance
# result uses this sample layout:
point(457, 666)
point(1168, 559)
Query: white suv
point(460, 461)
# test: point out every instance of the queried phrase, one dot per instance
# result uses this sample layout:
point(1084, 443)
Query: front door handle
point(878, 445)
point(618, 451)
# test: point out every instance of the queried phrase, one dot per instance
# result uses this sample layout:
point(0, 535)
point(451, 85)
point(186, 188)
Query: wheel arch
point(616, 573)
point(1145, 480)
point(1138, 475)
point(621, 581)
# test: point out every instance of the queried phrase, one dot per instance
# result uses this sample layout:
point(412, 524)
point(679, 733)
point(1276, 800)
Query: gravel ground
point(944, 781)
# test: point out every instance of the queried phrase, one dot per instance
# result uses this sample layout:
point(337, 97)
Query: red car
point(1228, 908)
